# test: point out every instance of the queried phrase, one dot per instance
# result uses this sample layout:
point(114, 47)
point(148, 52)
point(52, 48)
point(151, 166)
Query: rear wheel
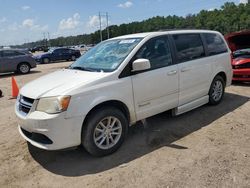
point(104, 131)
point(23, 68)
point(45, 60)
point(216, 91)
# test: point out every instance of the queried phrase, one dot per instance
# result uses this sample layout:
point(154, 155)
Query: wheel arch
point(21, 62)
point(223, 75)
point(111, 103)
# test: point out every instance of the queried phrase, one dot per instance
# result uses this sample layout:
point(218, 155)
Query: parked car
point(241, 65)
point(16, 61)
point(39, 48)
point(119, 82)
point(58, 54)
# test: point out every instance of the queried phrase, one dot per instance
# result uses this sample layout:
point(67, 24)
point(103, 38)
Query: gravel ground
point(207, 147)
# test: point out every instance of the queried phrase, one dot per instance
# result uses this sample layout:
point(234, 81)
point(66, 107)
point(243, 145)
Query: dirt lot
point(207, 147)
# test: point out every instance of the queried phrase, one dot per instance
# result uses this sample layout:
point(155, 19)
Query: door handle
point(184, 69)
point(172, 72)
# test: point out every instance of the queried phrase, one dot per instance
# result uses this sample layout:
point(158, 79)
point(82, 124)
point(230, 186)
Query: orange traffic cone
point(15, 89)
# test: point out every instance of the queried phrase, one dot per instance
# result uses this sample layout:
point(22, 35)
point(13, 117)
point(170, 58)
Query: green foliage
point(228, 19)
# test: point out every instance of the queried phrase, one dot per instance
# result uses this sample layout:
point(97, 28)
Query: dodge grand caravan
point(119, 82)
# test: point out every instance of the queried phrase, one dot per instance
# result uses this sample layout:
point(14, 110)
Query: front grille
point(242, 66)
point(25, 104)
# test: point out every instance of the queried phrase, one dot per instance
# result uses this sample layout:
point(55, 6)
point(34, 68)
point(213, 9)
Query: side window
point(215, 44)
point(189, 47)
point(57, 51)
point(10, 53)
point(157, 51)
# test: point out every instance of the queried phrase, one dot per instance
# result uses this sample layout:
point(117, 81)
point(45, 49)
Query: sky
point(29, 20)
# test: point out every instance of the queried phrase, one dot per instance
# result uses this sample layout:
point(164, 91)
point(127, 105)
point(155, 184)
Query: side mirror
point(140, 65)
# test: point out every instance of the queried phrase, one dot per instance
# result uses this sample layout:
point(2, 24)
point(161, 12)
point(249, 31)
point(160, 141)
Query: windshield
point(244, 53)
point(106, 56)
point(51, 50)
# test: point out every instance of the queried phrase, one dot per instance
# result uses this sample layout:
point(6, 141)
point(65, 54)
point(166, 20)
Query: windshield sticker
point(128, 41)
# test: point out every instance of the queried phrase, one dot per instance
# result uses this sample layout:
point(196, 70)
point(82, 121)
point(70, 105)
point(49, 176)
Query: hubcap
point(24, 68)
point(73, 58)
point(107, 132)
point(217, 90)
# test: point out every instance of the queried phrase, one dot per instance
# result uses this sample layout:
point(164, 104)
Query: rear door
point(66, 53)
point(2, 62)
point(57, 55)
point(9, 60)
point(155, 90)
point(194, 67)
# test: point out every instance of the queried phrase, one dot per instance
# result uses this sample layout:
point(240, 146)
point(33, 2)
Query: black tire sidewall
point(211, 100)
point(89, 127)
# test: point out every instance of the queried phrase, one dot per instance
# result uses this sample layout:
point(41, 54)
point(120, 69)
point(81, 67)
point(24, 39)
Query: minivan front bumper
point(49, 131)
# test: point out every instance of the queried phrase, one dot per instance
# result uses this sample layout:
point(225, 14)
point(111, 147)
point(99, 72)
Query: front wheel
point(216, 91)
point(73, 58)
point(104, 131)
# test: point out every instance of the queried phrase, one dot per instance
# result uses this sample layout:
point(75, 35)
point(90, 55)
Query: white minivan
point(119, 82)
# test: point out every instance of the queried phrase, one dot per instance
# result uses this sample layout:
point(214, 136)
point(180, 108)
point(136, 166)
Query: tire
point(45, 60)
point(73, 58)
point(96, 138)
point(216, 91)
point(23, 68)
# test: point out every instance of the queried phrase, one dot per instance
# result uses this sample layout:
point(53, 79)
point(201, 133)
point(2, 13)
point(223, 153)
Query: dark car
point(58, 54)
point(39, 48)
point(16, 61)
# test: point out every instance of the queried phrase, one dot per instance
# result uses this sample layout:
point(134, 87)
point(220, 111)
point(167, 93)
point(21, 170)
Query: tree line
point(229, 18)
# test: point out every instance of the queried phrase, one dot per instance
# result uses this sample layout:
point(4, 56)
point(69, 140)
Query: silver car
point(16, 61)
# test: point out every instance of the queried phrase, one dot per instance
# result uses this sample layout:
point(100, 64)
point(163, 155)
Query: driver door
point(155, 90)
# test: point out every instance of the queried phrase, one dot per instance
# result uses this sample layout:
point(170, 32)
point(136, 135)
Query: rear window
point(189, 47)
point(215, 44)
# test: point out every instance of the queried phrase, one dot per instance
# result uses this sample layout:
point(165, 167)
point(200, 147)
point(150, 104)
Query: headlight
point(53, 105)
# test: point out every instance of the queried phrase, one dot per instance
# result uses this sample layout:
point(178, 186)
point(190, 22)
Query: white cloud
point(25, 7)
point(211, 9)
point(70, 23)
point(30, 24)
point(244, 1)
point(94, 21)
point(3, 20)
point(127, 4)
point(40, 28)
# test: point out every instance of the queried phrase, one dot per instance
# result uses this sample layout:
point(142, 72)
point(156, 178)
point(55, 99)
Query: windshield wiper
point(82, 68)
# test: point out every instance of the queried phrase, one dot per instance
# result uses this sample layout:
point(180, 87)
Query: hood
point(240, 61)
point(58, 83)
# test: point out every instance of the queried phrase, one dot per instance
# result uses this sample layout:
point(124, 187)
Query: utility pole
point(100, 21)
point(48, 39)
point(44, 39)
point(107, 19)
